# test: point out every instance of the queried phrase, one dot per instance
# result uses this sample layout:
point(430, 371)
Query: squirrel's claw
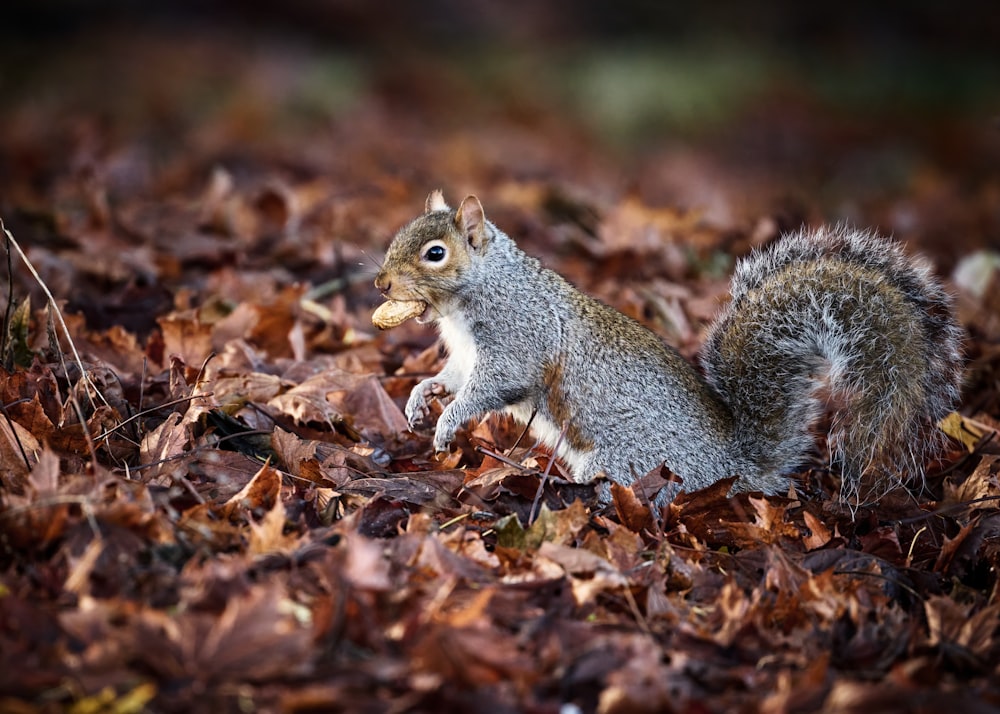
point(417, 410)
point(443, 439)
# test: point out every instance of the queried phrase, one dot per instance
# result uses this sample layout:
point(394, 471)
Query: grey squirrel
point(834, 305)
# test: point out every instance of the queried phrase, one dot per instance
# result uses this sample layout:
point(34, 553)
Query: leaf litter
point(218, 506)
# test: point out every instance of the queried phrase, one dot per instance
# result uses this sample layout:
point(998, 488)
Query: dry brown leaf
point(185, 336)
point(633, 514)
point(472, 656)
point(247, 387)
point(953, 624)
point(983, 483)
point(322, 462)
point(78, 580)
point(333, 396)
point(162, 445)
point(644, 682)
point(32, 417)
point(257, 637)
point(633, 226)
point(263, 490)
point(365, 564)
point(590, 574)
point(19, 451)
point(275, 323)
point(819, 534)
point(267, 535)
point(436, 557)
point(44, 478)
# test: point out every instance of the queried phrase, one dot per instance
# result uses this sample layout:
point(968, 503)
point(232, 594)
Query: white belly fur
point(461, 347)
point(548, 432)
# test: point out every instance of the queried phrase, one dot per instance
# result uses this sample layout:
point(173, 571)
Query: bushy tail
point(837, 314)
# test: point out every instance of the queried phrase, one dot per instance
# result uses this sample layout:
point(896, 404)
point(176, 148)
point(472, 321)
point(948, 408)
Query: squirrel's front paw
point(447, 425)
point(417, 409)
point(443, 436)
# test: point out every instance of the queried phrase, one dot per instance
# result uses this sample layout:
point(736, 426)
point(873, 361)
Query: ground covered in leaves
point(209, 500)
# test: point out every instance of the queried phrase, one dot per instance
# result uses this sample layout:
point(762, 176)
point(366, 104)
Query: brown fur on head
point(428, 257)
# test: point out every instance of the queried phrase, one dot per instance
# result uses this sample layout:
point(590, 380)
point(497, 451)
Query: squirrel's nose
point(383, 282)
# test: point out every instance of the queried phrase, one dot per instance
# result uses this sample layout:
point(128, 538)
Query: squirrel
point(832, 306)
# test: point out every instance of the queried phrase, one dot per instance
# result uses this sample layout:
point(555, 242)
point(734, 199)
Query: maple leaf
point(769, 526)
point(163, 444)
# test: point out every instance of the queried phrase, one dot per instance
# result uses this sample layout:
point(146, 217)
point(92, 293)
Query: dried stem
point(84, 375)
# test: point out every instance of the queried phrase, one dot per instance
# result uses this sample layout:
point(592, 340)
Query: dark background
point(884, 114)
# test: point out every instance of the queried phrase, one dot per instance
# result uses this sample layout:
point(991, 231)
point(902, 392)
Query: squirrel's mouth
point(425, 316)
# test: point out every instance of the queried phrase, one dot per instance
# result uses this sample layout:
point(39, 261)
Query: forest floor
point(209, 500)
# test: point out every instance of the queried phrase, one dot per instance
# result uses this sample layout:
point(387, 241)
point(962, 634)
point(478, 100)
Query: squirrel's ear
point(435, 202)
point(471, 221)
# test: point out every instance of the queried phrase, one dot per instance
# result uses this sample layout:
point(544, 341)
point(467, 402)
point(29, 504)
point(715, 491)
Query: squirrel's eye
point(435, 253)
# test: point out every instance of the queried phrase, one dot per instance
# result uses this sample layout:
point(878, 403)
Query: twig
point(457, 519)
point(636, 612)
point(191, 489)
point(528, 470)
point(142, 389)
point(986, 438)
point(506, 460)
point(17, 439)
point(202, 370)
point(947, 510)
point(157, 408)
point(10, 298)
point(532, 514)
point(84, 375)
point(523, 432)
point(913, 545)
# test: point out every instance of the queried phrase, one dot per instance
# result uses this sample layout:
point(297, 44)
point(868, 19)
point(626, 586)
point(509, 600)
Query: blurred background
point(882, 114)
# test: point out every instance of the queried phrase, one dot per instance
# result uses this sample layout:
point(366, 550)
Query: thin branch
point(533, 513)
point(10, 297)
point(947, 510)
point(157, 408)
point(58, 313)
point(958, 463)
point(84, 375)
point(507, 461)
point(524, 431)
point(17, 439)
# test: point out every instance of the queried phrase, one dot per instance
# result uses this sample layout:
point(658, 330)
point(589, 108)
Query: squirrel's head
point(430, 257)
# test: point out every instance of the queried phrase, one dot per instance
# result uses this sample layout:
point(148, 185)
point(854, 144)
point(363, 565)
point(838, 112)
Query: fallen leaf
point(263, 490)
point(334, 396)
point(963, 429)
point(268, 536)
point(186, 337)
